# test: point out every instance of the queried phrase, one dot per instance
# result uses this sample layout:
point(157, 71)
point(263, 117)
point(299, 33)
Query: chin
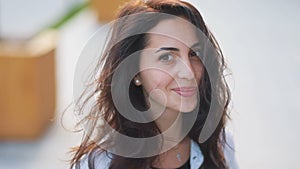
point(188, 107)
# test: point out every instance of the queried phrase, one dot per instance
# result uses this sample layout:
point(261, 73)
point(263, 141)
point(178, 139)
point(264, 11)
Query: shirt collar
point(196, 156)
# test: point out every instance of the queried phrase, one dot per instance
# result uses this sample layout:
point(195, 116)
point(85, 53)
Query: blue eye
point(166, 57)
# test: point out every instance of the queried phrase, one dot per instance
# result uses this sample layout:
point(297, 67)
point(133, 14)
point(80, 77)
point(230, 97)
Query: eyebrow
point(167, 48)
point(175, 49)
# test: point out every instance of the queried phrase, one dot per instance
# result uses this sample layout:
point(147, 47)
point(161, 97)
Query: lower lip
point(185, 93)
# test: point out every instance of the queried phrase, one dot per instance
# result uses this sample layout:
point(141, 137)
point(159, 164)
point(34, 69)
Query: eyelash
point(161, 57)
point(197, 53)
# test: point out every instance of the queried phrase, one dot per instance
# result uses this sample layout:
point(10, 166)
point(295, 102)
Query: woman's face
point(170, 68)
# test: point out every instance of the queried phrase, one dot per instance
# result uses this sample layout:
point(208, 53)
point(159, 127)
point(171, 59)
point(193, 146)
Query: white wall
point(261, 40)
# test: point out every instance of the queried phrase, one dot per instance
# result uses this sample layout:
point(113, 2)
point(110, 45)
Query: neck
point(170, 124)
point(175, 157)
point(176, 145)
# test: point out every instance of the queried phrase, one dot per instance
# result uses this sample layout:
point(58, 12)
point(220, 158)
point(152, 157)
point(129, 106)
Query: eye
point(167, 57)
point(196, 53)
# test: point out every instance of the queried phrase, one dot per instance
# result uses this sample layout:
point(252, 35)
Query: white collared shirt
point(196, 157)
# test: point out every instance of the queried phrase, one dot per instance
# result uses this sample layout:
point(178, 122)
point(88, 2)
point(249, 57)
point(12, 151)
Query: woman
point(161, 94)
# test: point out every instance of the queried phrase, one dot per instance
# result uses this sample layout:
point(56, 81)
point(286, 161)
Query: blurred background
point(40, 42)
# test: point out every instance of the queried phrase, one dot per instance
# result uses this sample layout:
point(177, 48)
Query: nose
point(185, 69)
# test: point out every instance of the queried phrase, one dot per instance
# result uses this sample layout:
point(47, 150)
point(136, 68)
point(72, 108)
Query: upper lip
point(185, 89)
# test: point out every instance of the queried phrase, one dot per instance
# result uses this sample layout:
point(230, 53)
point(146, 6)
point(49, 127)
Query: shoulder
point(229, 150)
point(100, 160)
point(197, 157)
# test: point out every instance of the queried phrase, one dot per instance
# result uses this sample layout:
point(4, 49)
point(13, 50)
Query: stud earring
point(137, 82)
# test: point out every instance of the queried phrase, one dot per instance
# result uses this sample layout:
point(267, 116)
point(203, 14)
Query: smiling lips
point(185, 91)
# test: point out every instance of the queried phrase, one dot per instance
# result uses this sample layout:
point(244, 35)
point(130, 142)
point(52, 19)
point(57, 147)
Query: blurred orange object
point(106, 10)
point(27, 87)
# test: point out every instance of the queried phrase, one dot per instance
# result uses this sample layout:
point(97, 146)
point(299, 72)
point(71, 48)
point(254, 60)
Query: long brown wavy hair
point(115, 52)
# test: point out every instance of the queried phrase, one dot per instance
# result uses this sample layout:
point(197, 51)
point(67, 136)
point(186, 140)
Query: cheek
point(198, 71)
point(155, 79)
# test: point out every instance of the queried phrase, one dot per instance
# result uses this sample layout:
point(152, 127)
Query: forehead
point(175, 29)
